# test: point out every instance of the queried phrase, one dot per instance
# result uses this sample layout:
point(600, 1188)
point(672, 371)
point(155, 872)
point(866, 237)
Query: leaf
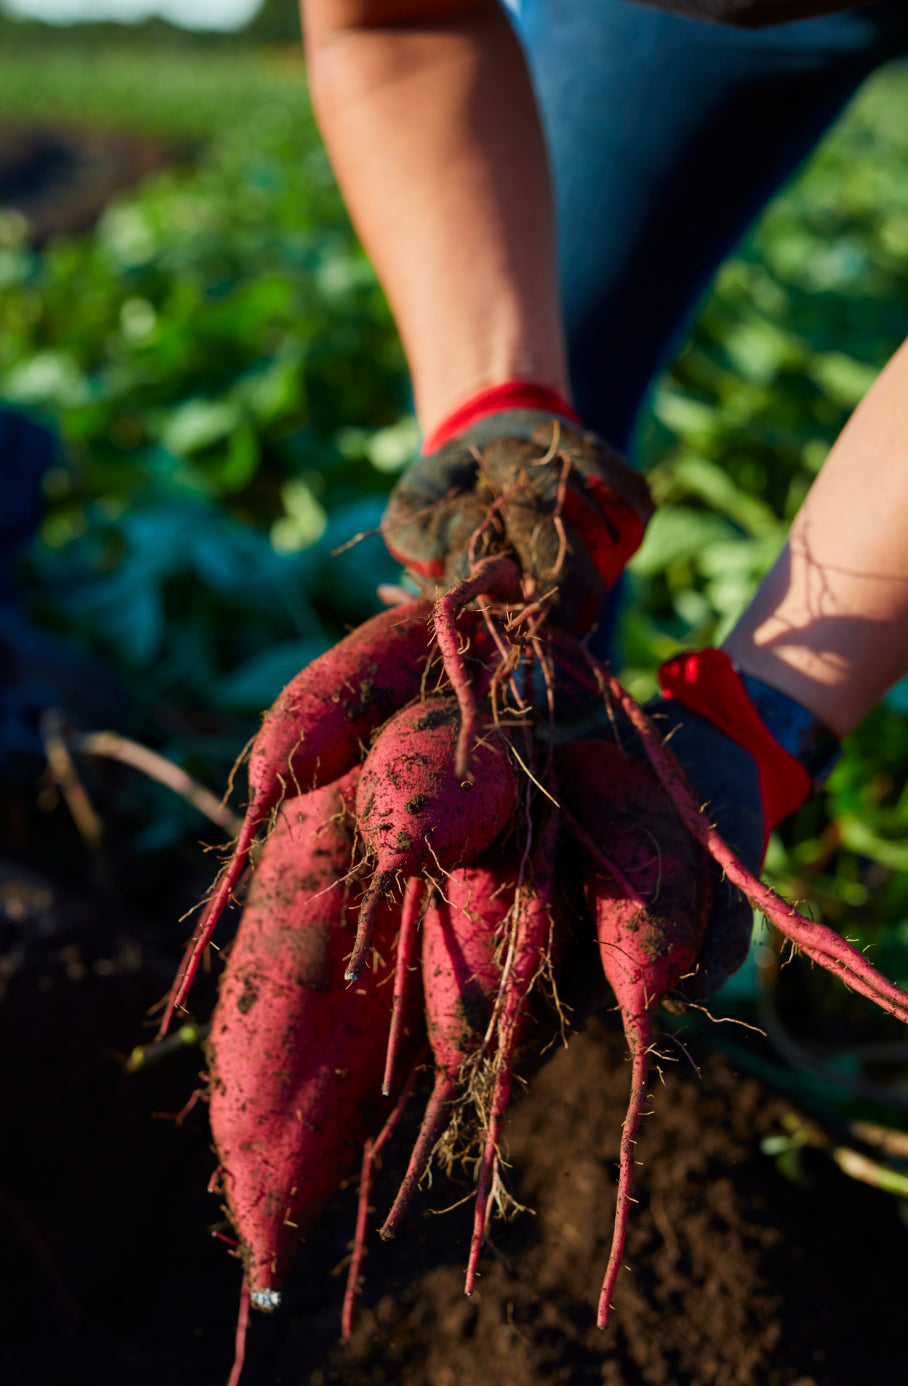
point(689, 418)
point(242, 461)
point(392, 448)
point(714, 486)
point(127, 613)
point(198, 423)
point(678, 532)
point(255, 685)
point(304, 519)
point(897, 697)
point(760, 349)
point(272, 389)
point(46, 379)
point(860, 837)
point(845, 380)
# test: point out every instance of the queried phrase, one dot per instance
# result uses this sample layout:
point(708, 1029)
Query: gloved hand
point(752, 755)
point(568, 507)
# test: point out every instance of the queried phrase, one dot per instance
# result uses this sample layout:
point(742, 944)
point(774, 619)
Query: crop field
point(232, 406)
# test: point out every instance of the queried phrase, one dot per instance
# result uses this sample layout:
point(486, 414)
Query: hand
point(725, 781)
point(529, 482)
point(752, 755)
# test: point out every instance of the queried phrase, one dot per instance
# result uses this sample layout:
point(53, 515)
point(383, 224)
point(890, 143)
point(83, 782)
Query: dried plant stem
point(113, 746)
point(66, 778)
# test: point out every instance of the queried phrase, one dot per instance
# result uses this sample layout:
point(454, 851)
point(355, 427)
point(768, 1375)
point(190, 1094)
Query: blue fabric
point(667, 137)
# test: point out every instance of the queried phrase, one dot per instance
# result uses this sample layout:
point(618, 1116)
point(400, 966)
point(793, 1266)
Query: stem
point(408, 919)
point(242, 1325)
point(433, 1123)
point(202, 936)
point(492, 577)
point(145, 1056)
point(639, 1040)
point(371, 1152)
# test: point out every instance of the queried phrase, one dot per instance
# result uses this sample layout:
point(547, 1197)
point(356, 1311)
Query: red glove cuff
point(510, 394)
point(707, 682)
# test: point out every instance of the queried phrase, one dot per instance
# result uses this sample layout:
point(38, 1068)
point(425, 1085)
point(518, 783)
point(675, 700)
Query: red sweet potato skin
point(295, 1055)
point(460, 935)
point(313, 732)
point(646, 945)
point(413, 810)
point(651, 912)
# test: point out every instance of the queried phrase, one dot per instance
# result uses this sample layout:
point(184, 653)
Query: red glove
point(512, 470)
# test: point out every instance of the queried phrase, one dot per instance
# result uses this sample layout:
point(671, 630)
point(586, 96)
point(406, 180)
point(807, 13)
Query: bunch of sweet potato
point(423, 805)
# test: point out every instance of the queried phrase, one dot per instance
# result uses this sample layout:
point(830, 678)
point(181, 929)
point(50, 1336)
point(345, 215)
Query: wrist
point(496, 399)
point(792, 748)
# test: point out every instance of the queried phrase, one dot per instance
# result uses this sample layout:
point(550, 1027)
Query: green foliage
point(206, 352)
point(276, 21)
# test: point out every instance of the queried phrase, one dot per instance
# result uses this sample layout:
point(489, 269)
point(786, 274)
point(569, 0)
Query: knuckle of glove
point(554, 468)
point(568, 506)
point(422, 518)
point(436, 542)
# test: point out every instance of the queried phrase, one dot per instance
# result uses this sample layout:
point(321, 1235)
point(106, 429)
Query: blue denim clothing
point(667, 137)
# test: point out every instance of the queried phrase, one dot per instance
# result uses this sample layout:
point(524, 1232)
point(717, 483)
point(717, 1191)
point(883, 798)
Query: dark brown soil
point(111, 1277)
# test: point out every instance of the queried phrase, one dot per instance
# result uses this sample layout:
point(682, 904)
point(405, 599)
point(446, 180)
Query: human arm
point(430, 122)
point(829, 625)
point(823, 639)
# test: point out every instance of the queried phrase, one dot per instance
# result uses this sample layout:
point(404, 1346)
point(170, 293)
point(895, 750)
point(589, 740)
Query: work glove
point(752, 756)
point(512, 471)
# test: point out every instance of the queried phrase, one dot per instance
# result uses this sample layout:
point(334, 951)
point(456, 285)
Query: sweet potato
point(314, 733)
point(296, 1057)
point(815, 939)
point(529, 956)
point(414, 812)
point(650, 924)
point(461, 932)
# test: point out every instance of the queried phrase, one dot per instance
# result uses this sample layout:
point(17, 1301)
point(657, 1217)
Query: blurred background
point(203, 402)
point(222, 405)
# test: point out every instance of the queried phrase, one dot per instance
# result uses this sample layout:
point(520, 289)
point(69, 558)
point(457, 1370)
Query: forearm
point(830, 623)
point(430, 122)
